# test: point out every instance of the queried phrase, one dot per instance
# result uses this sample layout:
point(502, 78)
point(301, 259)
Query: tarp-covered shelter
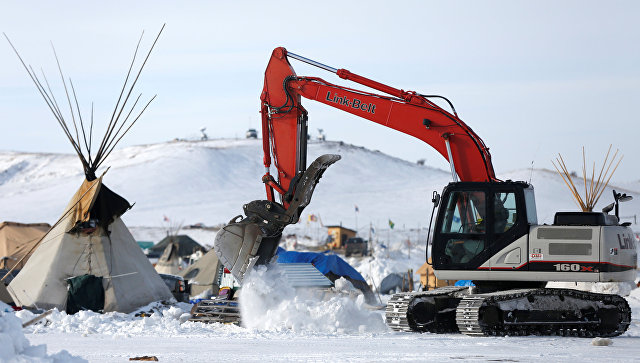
point(169, 262)
point(89, 239)
point(428, 278)
point(186, 245)
point(393, 283)
point(332, 266)
point(204, 275)
point(16, 240)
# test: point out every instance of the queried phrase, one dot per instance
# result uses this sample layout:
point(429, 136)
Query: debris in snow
point(601, 342)
point(14, 347)
point(37, 318)
point(148, 358)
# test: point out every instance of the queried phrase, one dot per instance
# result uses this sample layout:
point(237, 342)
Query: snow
point(284, 327)
point(15, 347)
point(269, 303)
point(117, 338)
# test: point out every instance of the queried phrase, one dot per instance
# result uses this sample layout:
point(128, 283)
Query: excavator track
point(563, 312)
point(426, 311)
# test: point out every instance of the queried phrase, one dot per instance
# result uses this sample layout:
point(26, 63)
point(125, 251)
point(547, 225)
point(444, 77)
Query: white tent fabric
point(129, 279)
point(203, 275)
point(169, 262)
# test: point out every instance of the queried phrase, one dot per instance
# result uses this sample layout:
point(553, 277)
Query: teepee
point(204, 275)
point(169, 263)
point(89, 259)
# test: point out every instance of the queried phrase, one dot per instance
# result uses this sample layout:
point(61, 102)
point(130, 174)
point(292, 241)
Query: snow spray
point(269, 302)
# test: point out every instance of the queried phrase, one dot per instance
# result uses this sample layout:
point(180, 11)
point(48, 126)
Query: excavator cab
point(478, 219)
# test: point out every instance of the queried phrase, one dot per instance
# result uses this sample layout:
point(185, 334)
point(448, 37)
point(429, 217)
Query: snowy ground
point(117, 337)
point(282, 325)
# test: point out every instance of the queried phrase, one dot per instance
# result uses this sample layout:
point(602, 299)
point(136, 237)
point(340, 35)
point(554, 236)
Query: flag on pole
point(373, 230)
point(166, 219)
point(391, 224)
point(312, 218)
point(357, 210)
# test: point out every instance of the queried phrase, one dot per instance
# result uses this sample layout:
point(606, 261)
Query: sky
point(531, 78)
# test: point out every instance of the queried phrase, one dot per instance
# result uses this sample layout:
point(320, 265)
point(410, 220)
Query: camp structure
point(331, 266)
point(169, 263)
point(16, 240)
point(89, 259)
point(91, 247)
point(204, 275)
point(186, 245)
point(428, 279)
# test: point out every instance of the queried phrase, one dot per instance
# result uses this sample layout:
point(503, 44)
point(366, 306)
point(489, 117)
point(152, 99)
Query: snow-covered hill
point(208, 182)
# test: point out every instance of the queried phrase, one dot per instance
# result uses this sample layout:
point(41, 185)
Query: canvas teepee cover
point(90, 239)
point(16, 240)
point(169, 262)
point(204, 274)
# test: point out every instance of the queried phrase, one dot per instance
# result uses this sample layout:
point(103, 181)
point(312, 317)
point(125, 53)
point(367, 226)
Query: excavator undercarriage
point(544, 311)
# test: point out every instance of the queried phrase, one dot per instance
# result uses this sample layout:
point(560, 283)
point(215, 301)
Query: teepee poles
point(116, 129)
point(593, 188)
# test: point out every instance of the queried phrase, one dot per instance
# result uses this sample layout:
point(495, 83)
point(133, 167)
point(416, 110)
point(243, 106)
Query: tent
point(204, 274)
point(89, 239)
point(16, 240)
point(332, 266)
point(89, 259)
point(169, 262)
point(393, 283)
point(186, 245)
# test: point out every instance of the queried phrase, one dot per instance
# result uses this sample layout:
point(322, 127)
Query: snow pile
point(14, 347)
point(616, 288)
point(385, 261)
point(268, 302)
point(155, 319)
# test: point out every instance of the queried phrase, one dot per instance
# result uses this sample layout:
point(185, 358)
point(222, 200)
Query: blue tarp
point(324, 263)
point(464, 283)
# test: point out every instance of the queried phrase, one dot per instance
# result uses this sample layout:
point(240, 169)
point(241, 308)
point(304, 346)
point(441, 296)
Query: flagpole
point(356, 213)
point(370, 241)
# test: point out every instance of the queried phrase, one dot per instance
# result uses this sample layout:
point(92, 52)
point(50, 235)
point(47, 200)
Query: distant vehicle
point(177, 285)
point(356, 245)
point(252, 134)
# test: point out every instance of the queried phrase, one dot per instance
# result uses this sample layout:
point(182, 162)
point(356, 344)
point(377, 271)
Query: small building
point(337, 235)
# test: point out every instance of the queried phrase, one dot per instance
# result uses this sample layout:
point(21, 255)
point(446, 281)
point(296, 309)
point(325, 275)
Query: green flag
point(391, 224)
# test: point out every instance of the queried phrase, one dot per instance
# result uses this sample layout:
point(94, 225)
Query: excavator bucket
point(245, 242)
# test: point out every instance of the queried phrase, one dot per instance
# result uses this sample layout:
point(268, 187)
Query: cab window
point(465, 213)
point(504, 212)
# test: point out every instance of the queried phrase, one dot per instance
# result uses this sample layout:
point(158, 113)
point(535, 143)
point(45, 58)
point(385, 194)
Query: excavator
point(486, 229)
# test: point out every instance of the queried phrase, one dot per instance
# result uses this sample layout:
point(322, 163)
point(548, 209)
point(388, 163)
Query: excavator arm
point(284, 120)
point(254, 239)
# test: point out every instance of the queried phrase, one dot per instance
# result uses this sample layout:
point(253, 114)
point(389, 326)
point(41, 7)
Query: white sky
point(533, 79)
